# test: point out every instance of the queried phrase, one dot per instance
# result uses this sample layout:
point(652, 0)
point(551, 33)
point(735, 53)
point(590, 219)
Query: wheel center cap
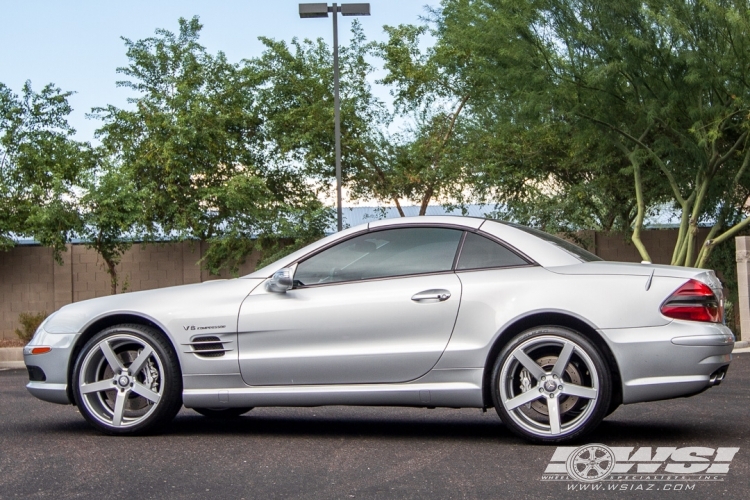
point(124, 381)
point(550, 386)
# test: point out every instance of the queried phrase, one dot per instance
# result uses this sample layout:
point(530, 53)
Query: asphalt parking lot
point(48, 451)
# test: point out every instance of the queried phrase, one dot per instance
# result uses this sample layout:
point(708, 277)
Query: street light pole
point(337, 117)
point(321, 10)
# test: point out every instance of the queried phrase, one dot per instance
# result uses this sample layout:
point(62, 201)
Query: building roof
point(354, 216)
point(661, 218)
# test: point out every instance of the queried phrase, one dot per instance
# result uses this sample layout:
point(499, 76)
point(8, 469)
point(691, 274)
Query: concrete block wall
point(26, 285)
point(31, 281)
point(659, 243)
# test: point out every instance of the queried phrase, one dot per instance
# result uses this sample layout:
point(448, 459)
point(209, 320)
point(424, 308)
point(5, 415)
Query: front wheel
point(551, 385)
point(126, 380)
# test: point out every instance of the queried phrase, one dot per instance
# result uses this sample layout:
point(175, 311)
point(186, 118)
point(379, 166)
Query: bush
point(29, 323)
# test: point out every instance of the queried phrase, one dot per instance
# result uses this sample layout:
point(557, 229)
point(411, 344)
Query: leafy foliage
point(110, 209)
point(194, 150)
point(661, 83)
point(296, 102)
point(40, 167)
point(29, 324)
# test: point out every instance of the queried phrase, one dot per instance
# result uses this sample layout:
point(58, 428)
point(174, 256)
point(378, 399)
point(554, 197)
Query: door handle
point(434, 295)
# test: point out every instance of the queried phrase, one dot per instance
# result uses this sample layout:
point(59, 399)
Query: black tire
point(524, 392)
point(222, 413)
point(116, 401)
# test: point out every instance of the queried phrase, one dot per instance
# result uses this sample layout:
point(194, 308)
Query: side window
point(380, 254)
point(479, 252)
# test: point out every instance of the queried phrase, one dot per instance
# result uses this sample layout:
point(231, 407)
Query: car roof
point(452, 220)
point(542, 252)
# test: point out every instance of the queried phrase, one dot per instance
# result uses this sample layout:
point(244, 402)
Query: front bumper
point(681, 358)
point(53, 365)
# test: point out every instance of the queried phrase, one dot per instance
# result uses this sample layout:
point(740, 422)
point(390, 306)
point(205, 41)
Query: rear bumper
point(681, 358)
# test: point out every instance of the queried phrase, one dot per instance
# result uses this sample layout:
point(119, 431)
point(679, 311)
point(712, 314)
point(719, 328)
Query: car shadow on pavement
point(338, 427)
point(612, 432)
point(443, 425)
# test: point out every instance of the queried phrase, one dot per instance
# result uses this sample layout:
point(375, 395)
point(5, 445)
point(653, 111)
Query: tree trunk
point(636, 237)
point(112, 271)
point(426, 200)
point(398, 207)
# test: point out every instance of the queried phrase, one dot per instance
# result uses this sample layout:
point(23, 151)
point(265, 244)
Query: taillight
point(694, 301)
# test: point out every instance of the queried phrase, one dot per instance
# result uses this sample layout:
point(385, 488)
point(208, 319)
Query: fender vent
point(208, 346)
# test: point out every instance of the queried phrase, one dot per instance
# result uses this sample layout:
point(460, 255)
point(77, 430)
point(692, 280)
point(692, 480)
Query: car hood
point(173, 308)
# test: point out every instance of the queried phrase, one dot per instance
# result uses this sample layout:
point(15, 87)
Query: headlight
point(40, 328)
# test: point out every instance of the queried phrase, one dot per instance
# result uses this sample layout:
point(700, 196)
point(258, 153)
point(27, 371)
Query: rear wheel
point(222, 412)
point(551, 385)
point(126, 380)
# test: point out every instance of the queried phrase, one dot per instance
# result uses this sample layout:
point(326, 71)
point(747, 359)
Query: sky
point(77, 46)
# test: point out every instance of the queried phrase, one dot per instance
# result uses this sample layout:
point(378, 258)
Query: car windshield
point(571, 248)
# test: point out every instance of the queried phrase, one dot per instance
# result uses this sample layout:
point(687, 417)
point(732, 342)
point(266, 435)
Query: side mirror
point(281, 281)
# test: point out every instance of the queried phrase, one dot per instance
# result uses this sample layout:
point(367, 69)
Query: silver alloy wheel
point(121, 380)
point(552, 385)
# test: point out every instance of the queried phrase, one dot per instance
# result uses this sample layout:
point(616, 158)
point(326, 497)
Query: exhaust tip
point(716, 377)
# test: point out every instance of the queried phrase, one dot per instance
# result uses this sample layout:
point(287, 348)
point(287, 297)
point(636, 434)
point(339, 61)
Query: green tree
point(110, 209)
point(193, 146)
point(662, 83)
point(296, 102)
point(420, 163)
point(428, 160)
point(520, 145)
point(41, 167)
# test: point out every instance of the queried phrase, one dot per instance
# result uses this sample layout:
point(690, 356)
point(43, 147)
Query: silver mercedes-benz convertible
point(423, 312)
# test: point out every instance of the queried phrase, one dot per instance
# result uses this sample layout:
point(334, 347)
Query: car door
point(377, 308)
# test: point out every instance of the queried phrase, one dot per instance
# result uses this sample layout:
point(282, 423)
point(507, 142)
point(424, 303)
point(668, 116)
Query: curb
point(11, 357)
point(11, 354)
point(12, 365)
point(741, 344)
